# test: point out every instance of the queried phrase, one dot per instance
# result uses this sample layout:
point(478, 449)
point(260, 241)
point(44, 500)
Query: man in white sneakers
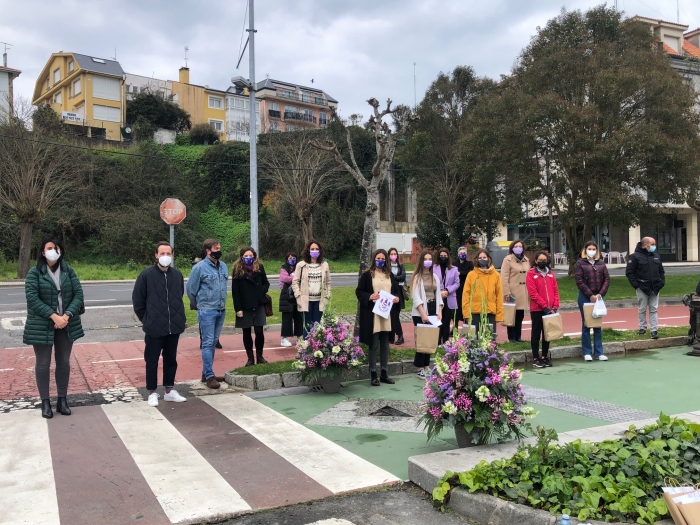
point(157, 300)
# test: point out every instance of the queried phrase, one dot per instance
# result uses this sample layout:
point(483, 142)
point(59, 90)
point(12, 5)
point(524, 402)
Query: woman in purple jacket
point(448, 276)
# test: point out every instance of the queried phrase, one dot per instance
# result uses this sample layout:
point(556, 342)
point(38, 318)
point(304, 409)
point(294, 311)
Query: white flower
point(336, 349)
point(482, 393)
point(318, 353)
point(463, 365)
point(529, 412)
point(449, 408)
point(303, 343)
point(440, 366)
point(354, 362)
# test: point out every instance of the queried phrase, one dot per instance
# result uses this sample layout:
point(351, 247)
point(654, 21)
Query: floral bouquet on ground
point(329, 350)
point(474, 388)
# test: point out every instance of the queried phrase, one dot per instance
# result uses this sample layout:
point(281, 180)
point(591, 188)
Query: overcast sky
point(352, 49)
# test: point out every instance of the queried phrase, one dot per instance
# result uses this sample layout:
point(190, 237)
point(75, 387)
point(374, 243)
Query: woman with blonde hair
point(592, 280)
point(427, 301)
point(483, 288)
point(375, 330)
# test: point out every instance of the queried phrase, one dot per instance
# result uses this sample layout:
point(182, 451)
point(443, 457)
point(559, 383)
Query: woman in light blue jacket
point(448, 276)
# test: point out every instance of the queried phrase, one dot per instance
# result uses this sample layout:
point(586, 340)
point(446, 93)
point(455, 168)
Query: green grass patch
point(277, 367)
point(676, 286)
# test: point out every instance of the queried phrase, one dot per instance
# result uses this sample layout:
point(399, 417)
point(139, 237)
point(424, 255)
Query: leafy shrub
point(203, 134)
point(222, 226)
point(615, 480)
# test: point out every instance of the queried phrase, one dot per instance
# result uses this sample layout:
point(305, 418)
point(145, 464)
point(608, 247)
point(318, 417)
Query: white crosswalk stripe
point(322, 460)
point(186, 485)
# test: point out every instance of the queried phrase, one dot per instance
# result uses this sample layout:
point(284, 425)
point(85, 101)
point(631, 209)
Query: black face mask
point(443, 260)
point(216, 255)
point(483, 263)
point(542, 265)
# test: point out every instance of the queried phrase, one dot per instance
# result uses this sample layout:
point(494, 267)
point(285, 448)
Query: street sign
point(173, 211)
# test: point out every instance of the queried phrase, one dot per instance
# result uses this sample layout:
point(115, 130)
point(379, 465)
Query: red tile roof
point(691, 49)
point(670, 50)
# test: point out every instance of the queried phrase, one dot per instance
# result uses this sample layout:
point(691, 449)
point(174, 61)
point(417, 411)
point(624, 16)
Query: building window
point(71, 66)
point(57, 98)
point(274, 126)
point(56, 76)
point(323, 118)
point(320, 101)
point(76, 88)
point(286, 93)
point(215, 103)
point(106, 113)
point(274, 106)
point(48, 84)
point(105, 88)
point(305, 97)
point(217, 125)
point(290, 127)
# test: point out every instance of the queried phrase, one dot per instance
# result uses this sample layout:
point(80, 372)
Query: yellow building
point(86, 92)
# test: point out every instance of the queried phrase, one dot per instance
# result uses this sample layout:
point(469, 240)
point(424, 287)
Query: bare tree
point(301, 173)
point(34, 173)
point(385, 143)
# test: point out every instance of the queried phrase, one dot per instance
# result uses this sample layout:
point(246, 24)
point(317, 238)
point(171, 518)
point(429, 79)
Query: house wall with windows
point(86, 92)
point(7, 77)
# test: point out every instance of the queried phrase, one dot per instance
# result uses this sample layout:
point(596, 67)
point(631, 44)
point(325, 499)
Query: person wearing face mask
point(375, 330)
point(427, 301)
point(292, 318)
point(399, 272)
point(206, 287)
point(592, 279)
point(483, 288)
point(54, 304)
point(157, 301)
point(646, 274)
point(513, 273)
point(464, 266)
point(312, 284)
point(544, 300)
point(448, 276)
point(249, 286)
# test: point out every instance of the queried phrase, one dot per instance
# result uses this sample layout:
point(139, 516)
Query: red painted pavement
point(97, 366)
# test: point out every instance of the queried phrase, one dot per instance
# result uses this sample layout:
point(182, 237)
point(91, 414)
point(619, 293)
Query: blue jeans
point(312, 316)
point(210, 324)
point(586, 332)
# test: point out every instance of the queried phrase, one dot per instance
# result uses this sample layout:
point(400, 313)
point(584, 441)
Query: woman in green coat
point(54, 304)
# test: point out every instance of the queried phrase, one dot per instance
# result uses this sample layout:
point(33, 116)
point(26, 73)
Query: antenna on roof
point(115, 55)
point(186, 50)
point(4, 55)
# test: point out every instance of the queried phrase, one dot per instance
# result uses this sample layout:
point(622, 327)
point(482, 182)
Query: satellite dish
point(128, 130)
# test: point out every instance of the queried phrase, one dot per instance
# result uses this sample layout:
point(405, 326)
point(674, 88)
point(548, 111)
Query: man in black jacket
point(158, 304)
point(646, 275)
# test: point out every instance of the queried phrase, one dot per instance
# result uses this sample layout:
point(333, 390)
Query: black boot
point(62, 406)
point(251, 361)
point(384, 378)
point(46, 411)
point(375, 381)
point(399, 341)
point(261, 359)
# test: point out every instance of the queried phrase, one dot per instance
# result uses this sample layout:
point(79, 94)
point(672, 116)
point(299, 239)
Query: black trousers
point(396, 323)
point(381, 340)
point(423, 360)
point(259, 340)
point(445, 331)
point(490, 319)
point(62, 347)
point(537, 334)
point(515, 332)
point(151, 354)
point(292, 323)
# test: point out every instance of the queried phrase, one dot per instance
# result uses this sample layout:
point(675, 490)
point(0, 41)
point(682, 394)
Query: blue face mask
point(248, 260)
point(652, 249)
point(462, 256)
point(292, 261)
point(379, 263)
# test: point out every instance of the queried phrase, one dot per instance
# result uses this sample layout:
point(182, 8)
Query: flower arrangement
point(475, 387)
point(329, 350)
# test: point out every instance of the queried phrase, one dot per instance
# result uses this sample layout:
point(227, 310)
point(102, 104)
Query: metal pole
point(172, 241)
point(253, 138)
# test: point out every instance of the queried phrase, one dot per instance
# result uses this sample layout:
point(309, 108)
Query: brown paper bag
point(553, 328)
point(691, 512)
point(588, 320)
point(426, 338)
point(508, 314)
point(468, 331)
point(673, 508)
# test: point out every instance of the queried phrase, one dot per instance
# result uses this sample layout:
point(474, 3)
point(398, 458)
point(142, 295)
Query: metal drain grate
point(388, 411)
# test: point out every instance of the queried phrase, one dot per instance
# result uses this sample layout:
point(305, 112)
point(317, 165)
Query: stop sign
point(173, 211)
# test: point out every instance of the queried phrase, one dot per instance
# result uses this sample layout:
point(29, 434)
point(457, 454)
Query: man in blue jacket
point(206, 288)
point(157, 300)
point(646, 274)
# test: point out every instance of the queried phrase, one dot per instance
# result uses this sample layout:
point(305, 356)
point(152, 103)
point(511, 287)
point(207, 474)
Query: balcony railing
point(319, 101)
point(290, 115)
point(274, 113)
point(323, 122)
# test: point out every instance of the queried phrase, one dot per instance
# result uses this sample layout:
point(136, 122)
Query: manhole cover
point(388, 411)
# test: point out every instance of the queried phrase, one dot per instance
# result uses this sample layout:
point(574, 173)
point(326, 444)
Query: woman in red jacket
point(544, 299)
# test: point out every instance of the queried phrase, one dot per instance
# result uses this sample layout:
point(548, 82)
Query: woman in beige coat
point(312, 284)
point(513, 272)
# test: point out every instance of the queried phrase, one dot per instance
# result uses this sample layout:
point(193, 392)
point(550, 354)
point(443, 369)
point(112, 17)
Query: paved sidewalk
point(204, 460)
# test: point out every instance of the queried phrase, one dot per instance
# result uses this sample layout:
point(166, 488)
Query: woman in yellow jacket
point(483, 285)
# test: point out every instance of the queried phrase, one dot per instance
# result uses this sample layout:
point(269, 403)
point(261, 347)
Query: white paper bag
point(382, 306)
point(599, 309)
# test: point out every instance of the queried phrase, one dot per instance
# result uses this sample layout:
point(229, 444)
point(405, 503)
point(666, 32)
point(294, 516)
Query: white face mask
point(590, 253)
point(52, 255)
point(165, 261)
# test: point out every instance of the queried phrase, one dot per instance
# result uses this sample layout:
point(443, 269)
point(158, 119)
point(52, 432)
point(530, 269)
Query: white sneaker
point(173, 395)
point(602, 358)
point(421, 373)
point(285, 342)
point(153, 399)
point(587, 358)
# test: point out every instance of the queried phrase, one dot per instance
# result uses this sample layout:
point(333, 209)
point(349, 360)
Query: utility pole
point(253, 137)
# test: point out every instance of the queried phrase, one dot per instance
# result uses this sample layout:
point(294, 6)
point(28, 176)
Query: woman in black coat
point(292, 318)
point(249, 286)
point(399, 272)
point(375, 330)
point(464, 265)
